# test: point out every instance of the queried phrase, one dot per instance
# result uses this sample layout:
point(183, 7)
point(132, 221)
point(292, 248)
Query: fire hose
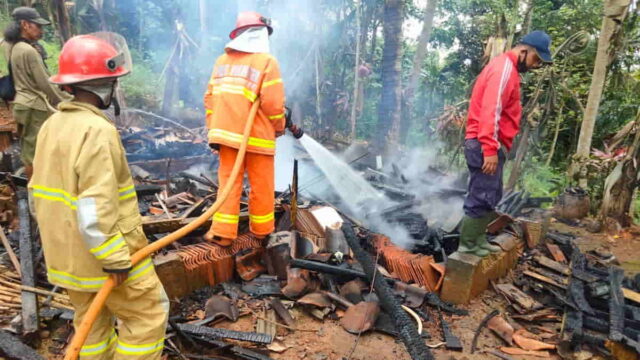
point(82, 331)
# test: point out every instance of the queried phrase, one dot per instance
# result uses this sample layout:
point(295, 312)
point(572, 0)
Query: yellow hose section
point(82, 331)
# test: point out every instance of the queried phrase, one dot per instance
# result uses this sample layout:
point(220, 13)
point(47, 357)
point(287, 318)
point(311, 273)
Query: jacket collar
point(513, 57)
point(81, 106)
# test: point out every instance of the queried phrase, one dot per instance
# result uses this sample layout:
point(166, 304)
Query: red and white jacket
point(494, 108)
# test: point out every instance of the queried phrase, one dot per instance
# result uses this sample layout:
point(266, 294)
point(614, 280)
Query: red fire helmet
point(92, 57)
point(248, 19)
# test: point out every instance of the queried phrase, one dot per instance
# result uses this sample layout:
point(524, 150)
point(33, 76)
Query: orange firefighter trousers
point(260, 170)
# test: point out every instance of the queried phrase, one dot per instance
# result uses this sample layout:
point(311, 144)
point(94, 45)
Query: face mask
point(522, 63)
point(103, 91)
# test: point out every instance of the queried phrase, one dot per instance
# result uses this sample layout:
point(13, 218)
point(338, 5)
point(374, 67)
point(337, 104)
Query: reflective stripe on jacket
point(237, 80)
point(85, 200)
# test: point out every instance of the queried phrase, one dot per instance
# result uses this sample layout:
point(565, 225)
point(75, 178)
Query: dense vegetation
point(401, 98)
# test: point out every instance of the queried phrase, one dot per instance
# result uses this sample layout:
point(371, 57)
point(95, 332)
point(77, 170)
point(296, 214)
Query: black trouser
point(485, 191)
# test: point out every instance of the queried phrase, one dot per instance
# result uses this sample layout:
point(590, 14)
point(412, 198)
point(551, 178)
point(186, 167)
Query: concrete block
point(467, 276)
point(176, 280)
point(458, 277)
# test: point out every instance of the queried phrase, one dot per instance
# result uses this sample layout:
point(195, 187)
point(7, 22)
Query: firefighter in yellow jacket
point(243, 73)
point(86, 206)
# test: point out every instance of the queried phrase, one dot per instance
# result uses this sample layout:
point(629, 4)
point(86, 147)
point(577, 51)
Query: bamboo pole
point(12, 255)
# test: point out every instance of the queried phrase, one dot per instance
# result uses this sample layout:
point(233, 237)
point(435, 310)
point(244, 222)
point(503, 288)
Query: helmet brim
point(70, 79)
point(234, 33)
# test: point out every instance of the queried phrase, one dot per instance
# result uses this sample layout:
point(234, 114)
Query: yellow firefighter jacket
point(85, 201)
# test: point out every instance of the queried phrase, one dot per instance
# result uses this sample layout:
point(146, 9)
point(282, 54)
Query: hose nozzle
point(295, 130)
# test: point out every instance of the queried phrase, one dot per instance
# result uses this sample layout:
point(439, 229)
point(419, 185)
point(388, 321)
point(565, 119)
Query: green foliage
point(53, 52)
point(141, 86)
point(542, 180)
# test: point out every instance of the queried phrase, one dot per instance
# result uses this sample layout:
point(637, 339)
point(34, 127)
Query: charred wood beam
point(562, 300)
point(434, 300)
point(11, 348)
point(147, 189)
point(30, 320)
point(181, 333)
point(630, 327)
point(602, 326)
point(327, 269)
point(573, 328)
point(197, 179)
point(20, 181)
point(423, 315)
point(631, 312)
point(282, 312)
point(452, 342)
point(217, 333)
point(576, 286)
point(616, 304)
point(240, 352)
point(154, 226)
point(483, 323)
point(405, 326)
point(561, 239)
point(586, 276)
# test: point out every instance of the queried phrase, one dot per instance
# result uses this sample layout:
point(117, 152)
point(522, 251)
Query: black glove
point(287, 116)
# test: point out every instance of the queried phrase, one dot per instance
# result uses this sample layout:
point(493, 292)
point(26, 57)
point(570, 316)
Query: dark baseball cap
point(30, 15)
point(540, 41)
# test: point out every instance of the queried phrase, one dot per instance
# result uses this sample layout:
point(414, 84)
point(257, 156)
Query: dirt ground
point(329, 341)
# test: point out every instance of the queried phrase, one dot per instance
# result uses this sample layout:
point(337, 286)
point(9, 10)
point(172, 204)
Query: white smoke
point(439, 193)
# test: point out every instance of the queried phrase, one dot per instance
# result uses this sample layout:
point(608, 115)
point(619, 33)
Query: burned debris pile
point(561, 299)
point(245, 301)
point(156, 143)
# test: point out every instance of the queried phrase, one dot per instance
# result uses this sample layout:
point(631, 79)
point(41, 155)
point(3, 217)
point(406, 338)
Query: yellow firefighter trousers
point(142, 311)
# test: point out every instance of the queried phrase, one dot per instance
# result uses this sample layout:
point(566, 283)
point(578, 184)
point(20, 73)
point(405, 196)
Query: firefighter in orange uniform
point(244, 73)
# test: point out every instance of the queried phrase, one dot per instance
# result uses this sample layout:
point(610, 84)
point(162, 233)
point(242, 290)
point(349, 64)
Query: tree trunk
point(528, 17)
point(621, 195)
point(203, 16)
point(621, 184)
point(554, 142)
point(318, 94)
point(418, 61)
point(374, 41)
point(389, 108)
point(615, 12)
point(63, 26)
point(356, 76)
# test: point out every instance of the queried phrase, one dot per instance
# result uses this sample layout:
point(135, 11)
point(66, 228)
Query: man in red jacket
point(492, 124)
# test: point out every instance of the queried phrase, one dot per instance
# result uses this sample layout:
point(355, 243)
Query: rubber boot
point(481, 241)
point(470, 230)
